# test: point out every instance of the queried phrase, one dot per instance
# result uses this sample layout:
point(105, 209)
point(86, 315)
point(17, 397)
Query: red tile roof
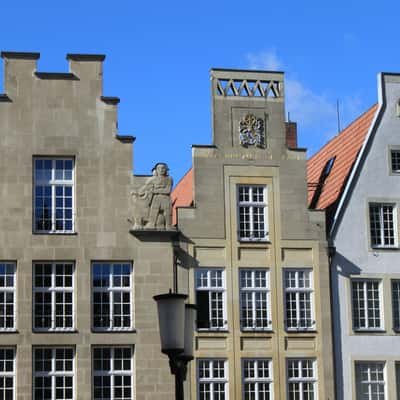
point(182, 195)
point(345, 147)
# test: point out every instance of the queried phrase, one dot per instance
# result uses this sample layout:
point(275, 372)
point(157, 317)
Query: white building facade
point(365, 264)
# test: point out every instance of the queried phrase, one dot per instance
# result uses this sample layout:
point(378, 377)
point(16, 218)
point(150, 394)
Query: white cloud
point(265, 60)
point(315, 113)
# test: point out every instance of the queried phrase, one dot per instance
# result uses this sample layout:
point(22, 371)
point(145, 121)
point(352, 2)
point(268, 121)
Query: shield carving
point(251, 131)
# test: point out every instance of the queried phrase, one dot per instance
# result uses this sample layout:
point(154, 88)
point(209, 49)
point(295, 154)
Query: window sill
point(130, 330)
point(213, 331)
point(35, 330)
point(8, 331)
point(256, 330)
point(301, 330)
point(55, 233)
point(368, 331)
point(385, 248)
point(262, 241)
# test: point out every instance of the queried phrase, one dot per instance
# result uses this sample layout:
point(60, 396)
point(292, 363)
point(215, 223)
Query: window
point(398, 379)
point(395, 161)
point(53, 373)
point(254, 299)
point(210, 299)
point(370, 379)
point(252, 210)
point(7, 373)
point(257, 379)
point(53, 195)
point(302, 379)
point(212, 379)
point(112, 296)
point(7, 296)
point(53, 290)
point(299, 299)
point(396, 304)
point(382, 223)
point(366, 305)
point(112, 373)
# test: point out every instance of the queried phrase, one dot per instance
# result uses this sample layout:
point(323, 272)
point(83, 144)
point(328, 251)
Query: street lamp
point(176, 320)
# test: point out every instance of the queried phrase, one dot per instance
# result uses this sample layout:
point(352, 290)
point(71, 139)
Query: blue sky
point(159, 54)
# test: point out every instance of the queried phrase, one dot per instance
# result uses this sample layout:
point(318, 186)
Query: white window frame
point(53, 290)
point(111, 290)
point(6, 290)
point(301, 380)
point(382, 238)
point(53, 373)
point(54, 183)
point(210, 289)
point(252, 291)
point(4, 375)
point(252, 205)
point(112, 372)
point(257, 380)
point(396, 304)
point(394, 161)
point(370, 382)
point(357, 327)
point(211, 380)
point(299, 290)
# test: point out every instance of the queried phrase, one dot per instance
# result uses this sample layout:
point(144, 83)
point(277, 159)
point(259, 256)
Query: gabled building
point(255, 257)
point(77, 318)
point(356, 178)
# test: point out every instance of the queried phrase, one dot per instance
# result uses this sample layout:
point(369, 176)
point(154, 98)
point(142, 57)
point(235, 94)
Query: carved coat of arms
point(251, 131)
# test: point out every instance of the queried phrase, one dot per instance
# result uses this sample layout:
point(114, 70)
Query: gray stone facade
point(64, 115)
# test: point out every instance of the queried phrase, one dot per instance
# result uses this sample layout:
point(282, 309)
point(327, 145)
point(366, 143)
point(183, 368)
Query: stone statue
point(151, 204)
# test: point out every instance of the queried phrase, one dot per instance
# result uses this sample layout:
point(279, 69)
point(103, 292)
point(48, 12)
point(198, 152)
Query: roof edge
point(85, 57)
point(342, 131)
point(345, 197)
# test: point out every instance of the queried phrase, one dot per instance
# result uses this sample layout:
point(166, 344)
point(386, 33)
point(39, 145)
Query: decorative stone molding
point(249, 88)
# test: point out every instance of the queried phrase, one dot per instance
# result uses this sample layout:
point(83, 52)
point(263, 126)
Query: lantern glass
point(171, 318)
point(190, 320)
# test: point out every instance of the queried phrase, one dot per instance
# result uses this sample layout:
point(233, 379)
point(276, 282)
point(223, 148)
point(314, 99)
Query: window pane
point(53, 188)
point(212, 379)
point(252, 212)
point(112, 373)
point(370, 380)
point(210, 298)
point(111, 296)
point(53, 373)
point(53, 296)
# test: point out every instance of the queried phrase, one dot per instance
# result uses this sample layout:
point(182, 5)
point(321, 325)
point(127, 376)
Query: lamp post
point(176, 321)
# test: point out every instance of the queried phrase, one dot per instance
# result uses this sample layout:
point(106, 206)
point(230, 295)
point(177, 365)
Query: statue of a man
point(157, 190)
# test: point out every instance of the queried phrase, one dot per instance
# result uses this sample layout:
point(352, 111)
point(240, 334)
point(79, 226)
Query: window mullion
point(111, 309)
point(382, 230)
point(365, 289)
point(52, 373)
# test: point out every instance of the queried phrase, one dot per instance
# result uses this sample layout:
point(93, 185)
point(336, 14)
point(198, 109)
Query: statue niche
point(151, 204)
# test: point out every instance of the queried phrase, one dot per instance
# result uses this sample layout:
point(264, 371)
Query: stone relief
point(251, 131)
point(151, 204)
